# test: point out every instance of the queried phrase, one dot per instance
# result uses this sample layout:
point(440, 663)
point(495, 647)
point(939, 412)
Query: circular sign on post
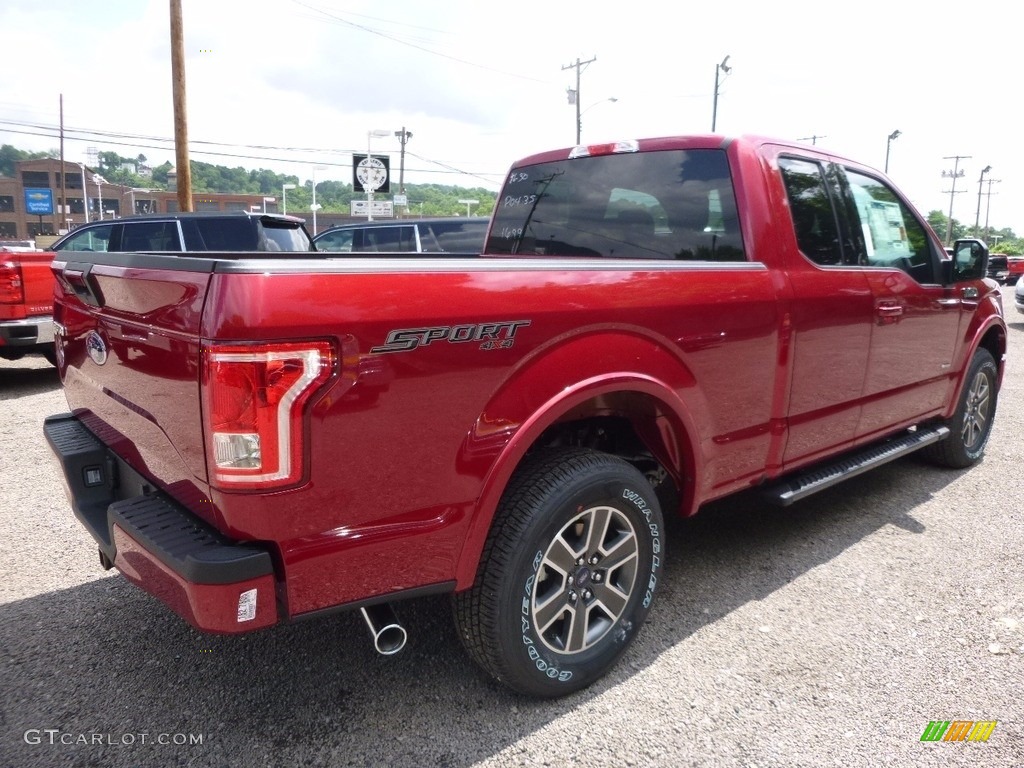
point(371, 173)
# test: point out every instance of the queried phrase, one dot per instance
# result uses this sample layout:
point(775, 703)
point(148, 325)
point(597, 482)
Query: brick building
point(31, 201)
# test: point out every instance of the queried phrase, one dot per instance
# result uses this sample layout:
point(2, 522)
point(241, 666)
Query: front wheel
point(971, 425)
point(567, 575)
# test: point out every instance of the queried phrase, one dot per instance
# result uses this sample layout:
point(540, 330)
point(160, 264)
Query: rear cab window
point(668, 204)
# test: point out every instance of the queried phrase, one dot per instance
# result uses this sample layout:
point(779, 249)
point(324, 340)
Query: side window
point(892, 235)
point(814, 218)
point(339, 242)
point(91, 239)
point(385, 239)
point(150, 236)
point(228, 234)
point(456, 236)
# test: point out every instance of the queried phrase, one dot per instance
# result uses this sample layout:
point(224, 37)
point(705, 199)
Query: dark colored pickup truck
point(652, 325)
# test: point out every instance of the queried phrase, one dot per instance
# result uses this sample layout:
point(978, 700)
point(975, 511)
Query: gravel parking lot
point(829, 634)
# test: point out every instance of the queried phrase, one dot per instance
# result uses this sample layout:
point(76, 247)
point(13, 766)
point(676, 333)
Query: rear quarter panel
point(404, 441)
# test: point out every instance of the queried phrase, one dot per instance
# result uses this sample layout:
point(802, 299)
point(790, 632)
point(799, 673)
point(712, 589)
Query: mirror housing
point(968, 262)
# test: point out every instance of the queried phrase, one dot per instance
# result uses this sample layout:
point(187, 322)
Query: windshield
point(671, 204)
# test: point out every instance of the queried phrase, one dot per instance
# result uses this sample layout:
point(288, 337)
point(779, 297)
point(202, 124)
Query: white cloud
point(481, 85)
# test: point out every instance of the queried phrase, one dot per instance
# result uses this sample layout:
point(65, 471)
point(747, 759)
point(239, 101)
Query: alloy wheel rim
point(585, 580)
point(977, 412)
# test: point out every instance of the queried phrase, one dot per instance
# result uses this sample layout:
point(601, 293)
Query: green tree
point(10, 155)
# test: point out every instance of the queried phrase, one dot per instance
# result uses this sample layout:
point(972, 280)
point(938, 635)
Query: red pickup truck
point(26, 304)
point(652, 325)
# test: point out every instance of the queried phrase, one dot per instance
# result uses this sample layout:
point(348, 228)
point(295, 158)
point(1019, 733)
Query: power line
point(392, 38)
point(147, 142)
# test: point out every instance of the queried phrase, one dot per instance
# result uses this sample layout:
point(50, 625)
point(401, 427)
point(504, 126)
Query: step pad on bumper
point(185, 544)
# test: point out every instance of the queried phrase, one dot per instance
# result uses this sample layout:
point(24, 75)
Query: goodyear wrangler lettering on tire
point(568, 574)
point(548, 669)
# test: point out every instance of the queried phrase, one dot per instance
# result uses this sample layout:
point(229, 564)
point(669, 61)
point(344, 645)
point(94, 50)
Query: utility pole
point(955, 174)
point(180, 116)
point(575, 95)
point(403, 137)
point(812, 139)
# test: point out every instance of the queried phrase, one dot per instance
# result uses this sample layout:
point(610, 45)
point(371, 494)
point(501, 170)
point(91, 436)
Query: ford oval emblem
point(96, 348)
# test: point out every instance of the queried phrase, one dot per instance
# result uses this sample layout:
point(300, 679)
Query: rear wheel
point(568, 573)
point(971, 425)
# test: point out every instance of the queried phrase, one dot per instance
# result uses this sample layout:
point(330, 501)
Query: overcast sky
point(289, 84)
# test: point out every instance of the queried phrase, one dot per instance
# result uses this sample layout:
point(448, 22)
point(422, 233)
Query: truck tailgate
point(128, 353)
point(34, 294)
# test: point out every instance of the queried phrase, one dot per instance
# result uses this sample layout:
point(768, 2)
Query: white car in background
point(17, 246)
point(1018, 296)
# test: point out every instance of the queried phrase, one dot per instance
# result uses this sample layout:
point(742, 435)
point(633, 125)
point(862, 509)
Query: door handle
point(890, 310)
point(888, 314)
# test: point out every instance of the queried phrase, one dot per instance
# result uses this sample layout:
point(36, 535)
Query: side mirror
point(969, 261)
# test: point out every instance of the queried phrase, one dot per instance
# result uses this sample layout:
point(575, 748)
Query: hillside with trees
point(332, 196)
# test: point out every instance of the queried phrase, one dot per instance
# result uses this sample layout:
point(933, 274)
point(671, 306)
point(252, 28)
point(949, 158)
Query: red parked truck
point(26, 304)
point(652, 325)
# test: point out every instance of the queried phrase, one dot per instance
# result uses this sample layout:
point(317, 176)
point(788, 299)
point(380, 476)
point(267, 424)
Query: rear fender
point(550, 386)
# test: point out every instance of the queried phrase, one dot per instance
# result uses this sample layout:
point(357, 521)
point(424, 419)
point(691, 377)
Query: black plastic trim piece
point(440, 588)
point(98, 480)
point(185, 544)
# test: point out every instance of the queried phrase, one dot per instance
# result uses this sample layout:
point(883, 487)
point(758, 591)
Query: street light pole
point(368, 185)
point(469, 204)
point(977, 214)
point(579, 120)
point(988, 206)
point(284, 197)
point(403, 138)
point(723, 67)
point(99, 191)
point(892, 137)
point(313, 206)
point(85, 194)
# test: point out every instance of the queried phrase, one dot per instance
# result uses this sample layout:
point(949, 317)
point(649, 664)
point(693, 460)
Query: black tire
point(971, 425)
point(575, 529)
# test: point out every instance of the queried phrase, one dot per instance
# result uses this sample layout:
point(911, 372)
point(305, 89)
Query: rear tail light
point(254, 399)
point(12, 290)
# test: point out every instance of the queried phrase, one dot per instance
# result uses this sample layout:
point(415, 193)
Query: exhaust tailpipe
point(388, 635)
